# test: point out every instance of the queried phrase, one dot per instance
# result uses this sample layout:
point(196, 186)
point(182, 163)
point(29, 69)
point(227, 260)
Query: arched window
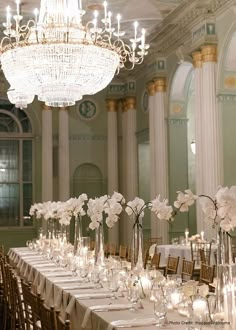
point(16, 181)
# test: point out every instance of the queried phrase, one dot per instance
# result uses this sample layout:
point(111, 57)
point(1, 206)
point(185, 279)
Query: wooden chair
point(129, 255)
point(155, 261)
point(200, 252)
point(207, 274)
point(92, 245)
point(19, 303)
point(5, 295)
point(123, 251)
point(145, 258)
point(151, 241)
point(112, 249)
point(32, 310)
point(172, 265)
point(62, 325)
point(47, 316)
point(106, 249)
point(187, 270)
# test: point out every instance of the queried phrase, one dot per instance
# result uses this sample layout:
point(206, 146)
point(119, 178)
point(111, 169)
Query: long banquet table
point(64, 291)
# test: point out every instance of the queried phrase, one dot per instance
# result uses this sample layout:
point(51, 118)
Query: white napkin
point(66, 280)
point(132, 323)
point(78, 286)
point(55, 273)
point(87, 320)
point(93, 295)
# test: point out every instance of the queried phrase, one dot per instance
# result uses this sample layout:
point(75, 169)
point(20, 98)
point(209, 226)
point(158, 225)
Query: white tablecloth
point(60, 289)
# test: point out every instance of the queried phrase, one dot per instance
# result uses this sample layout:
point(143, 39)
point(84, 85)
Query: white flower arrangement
point(160, 207)
point(61, 211)
point(111, 206)
point(221, 209)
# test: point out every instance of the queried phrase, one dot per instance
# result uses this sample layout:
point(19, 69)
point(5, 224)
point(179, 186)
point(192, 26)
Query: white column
point(131, 160)
point(124, 217)
point(210, 125)
point(112, 159)
point(47, 162)
point(63, 155)
point(198, 112)
point(158, 156)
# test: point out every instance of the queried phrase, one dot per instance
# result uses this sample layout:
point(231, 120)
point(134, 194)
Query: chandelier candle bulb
point(18, 7)
point(105, 10)
point(135, 30)
point(143, 39)
point(109, 20)
point(118, 24)
point(202, 235)
point(36, 12)
point(8, 16)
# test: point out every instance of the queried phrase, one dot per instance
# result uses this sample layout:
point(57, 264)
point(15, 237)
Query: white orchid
point(184, 200)
point(161, 208)
point(105, 205)
point(135, 207)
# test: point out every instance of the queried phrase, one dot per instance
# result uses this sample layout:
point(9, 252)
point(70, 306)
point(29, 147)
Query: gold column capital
point(160, 84)
point(112, 105)
point(151, 88)
point(209, 53)
point(131, 103)
point(197, 59)
point(45, 107)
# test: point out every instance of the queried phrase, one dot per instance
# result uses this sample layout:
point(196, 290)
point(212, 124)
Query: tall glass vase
point(99, 246)
point(78, 235)
point(137, 246)
point(225, 293)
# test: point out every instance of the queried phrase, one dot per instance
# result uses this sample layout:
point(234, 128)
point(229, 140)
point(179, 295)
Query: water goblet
point(134, 296)
point(160, 310)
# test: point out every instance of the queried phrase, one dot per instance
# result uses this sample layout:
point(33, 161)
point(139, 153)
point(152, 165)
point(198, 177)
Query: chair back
point(47, 316)
point(201, 252)
point(155, 261)
point(187, 270)
point(61, 324)
point(172, 265)
point(207, 273)
point(155, 240)
point(112, 249)
point(123, 251)
point(31, 303)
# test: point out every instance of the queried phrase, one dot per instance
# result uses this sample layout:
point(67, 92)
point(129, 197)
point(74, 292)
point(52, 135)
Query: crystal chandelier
point(58, 58)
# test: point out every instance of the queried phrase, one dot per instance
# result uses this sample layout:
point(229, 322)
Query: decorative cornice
point(45, 107)
point(177, 121)
point(112, 105)
point(226, 98)
point(84, 137)
point(197, 59)
point(209, 53)
point(151, 88)
point(131, 103)
point(160, 84)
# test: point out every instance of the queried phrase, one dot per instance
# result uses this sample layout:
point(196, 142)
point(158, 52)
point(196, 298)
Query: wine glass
point(134, 296)
point(160, 310)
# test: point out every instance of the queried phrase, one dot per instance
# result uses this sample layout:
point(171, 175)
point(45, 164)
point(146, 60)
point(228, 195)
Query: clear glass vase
point(78, 235)
point(137, 246)
point(225, 293)
point(99, 246)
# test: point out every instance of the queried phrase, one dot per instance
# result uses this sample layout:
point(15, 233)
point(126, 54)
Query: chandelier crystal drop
point(58, 58)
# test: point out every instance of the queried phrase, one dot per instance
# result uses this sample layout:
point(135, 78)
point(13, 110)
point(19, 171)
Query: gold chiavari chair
point(187, 270)
point(112, 249)
point(32, 310)
point(123, 251)
point(155, 261)
point(172, 265)
point(61, 324)
point(207, 274)
point(47, 316)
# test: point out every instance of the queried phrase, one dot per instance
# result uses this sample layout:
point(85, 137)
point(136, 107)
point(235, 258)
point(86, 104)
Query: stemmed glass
point(134, 296)
point(160, 310)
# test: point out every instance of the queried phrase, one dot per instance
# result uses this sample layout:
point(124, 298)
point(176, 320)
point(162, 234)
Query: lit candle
point(202, 235)
point(199, 307)
point(143, 38)
point(186, 235)
point(118, 24)
point(105, 9)
point(135, 30)
point(175, 299)
point(18, 7)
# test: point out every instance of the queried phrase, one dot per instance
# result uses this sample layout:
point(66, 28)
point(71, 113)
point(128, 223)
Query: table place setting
point(95, 295)
point(102, 308)
point(132, 323)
